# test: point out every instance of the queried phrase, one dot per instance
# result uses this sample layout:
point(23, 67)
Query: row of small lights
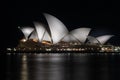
point(58, 49)
point(110, 49)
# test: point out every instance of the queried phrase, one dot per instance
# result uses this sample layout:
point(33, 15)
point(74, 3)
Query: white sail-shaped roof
point(33, 35)
point(26, 31)
point(69, 38)
point(40, 29)
point(93, 40)
point(81, 34)
point(103, 39)
point(46, 36)
point(57, 28)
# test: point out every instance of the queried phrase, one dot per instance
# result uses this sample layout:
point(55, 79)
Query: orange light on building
point(46, 42)
point(35, 40)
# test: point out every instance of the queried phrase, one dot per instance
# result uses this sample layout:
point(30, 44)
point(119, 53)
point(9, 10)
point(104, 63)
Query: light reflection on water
point(58, 66)
point(44, 67)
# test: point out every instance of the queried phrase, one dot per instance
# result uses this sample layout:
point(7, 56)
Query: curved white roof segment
point(40, 29)
point(33, 35)
point(57, 28)
point(103, 39)
point(81, 33)
point(46, 36)
point(26, 31)
point(69, 38)
point(93, 40)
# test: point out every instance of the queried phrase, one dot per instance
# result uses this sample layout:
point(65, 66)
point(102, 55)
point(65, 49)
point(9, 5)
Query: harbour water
point(60, 66)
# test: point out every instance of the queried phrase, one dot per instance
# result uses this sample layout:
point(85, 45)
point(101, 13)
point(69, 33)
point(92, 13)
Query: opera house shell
point(57, 34)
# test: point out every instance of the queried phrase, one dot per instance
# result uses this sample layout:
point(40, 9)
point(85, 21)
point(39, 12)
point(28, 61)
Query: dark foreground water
point(60, 66)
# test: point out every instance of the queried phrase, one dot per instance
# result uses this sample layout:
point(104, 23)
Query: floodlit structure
point(103, 39)
point(99, 40)
point(55, 37)
point(70, 38)
point(56, 32)
point(33, 35)
point(57, 29)
point(81, 34)
point(26, 31)
point(40, 30)
point(93, 40)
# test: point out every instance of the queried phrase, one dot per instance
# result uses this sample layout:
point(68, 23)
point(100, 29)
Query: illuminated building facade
point(56, 37)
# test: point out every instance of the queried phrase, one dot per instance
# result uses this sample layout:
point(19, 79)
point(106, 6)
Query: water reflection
point(46, 67)
point(24, 68)
point(56, 66)
point(80, 65)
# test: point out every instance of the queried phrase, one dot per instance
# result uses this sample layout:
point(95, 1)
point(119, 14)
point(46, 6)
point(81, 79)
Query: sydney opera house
point(54, 36)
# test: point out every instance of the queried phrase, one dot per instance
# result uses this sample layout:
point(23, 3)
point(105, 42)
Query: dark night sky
point(102, 16)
